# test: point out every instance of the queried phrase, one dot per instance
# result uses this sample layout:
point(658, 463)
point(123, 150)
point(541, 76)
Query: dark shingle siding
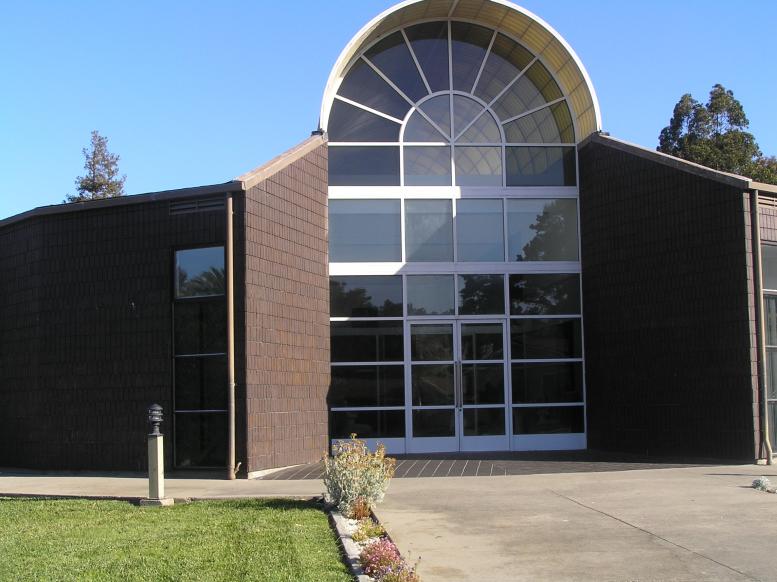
point(85, 332)
point(668, 308)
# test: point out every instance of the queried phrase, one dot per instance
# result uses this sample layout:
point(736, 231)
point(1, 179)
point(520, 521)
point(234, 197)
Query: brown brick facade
point(282, 248)
point(668, 309)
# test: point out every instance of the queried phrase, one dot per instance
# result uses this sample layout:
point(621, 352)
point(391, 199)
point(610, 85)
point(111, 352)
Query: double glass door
point(457, 379)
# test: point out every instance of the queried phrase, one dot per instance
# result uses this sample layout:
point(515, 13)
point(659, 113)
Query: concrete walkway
point(133, 487)
point(701, 523)
point(673, 524)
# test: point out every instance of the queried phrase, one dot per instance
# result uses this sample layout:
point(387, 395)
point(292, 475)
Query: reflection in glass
point(365, 296)
point(545, 338)
point(434, 423)
point(480, 227)
point(201, 383)
point(481, 294)
point(540, 166)
point(770, 306)
point(483, 383)
point(771, 373)
point(418, 129)
point(433, 385)
point(772, 412)
point(367, 386)
point(478, 166)
point(484, 130)
point(431, 343)
point(551, 294)
point(534, 383)
point(368, 424)
point(482, 341)
point(201, 440)
point(439, 111)
point(200, 327)
point(428, 230)
point(429, 42)
point(550, 125)
point(542, 230)
point(535, 87)
point(349, 123)
point(465, 110)
point(364, 86)
point(548, 420)
point(506, 60)
point(427, 166)
point(199, 272)
point(769, 261)
point(430, 295)
point(394, 60)
point(364, 231)
point(363, 166)
point(468, 48)
point(484, 421)
point(366, 341)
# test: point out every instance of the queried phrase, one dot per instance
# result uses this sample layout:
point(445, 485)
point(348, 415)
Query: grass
point(215, 540)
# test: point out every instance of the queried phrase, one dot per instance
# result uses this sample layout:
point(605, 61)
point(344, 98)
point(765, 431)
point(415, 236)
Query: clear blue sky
point(199, 92)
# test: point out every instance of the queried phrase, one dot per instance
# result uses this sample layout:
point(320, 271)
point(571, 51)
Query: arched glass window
point(450, 104)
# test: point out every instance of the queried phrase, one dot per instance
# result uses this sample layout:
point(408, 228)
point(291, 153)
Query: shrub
point(355, 473)
point(380, 558)
point(368, 529)
point(762, 484)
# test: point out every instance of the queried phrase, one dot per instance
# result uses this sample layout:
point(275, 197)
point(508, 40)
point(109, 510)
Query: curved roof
point(534, 33)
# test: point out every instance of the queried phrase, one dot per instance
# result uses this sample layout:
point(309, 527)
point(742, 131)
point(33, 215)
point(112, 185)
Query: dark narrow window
point(200, 358)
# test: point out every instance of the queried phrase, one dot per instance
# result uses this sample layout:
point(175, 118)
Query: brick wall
point(668, 309)
point(283, 340)
point(85, 332)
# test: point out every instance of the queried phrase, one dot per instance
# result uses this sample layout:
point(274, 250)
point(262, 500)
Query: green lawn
point(214, 540)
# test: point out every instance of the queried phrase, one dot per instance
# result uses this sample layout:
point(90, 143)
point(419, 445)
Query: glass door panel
point(482, 380)
point(433, 386)
point(458, 386)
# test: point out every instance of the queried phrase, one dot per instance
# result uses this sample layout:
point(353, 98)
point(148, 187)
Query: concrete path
point(15, 483)
point(700, 523)
point(672, 524)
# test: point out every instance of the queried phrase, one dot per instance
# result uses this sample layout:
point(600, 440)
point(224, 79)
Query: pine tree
point(102, 173)
point(715, 135)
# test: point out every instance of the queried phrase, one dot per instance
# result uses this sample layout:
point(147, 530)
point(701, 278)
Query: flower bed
point(356, 479)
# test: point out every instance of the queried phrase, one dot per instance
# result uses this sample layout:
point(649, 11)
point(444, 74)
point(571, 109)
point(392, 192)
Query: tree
point(102, 173)
point(715, 135)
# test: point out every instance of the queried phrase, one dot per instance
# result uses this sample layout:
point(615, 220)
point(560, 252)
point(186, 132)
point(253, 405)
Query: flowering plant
point(379, 558)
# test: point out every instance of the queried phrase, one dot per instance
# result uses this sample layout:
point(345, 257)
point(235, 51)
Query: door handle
point(459, 388)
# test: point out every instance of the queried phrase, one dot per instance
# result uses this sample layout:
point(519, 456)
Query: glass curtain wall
point(454, 247)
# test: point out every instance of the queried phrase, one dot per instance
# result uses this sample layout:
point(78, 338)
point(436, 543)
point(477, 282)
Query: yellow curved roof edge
point(360, 41)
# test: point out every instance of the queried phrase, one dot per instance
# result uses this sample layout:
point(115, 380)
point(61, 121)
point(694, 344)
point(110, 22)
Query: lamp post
point(156, 460)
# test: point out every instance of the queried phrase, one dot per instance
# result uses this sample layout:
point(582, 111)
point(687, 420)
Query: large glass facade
point(454, 249)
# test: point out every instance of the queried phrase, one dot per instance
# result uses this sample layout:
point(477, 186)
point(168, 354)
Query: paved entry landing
point(494, 465)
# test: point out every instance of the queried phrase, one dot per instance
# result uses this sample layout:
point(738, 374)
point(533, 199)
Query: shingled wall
point(85, 332)
point(668, 309)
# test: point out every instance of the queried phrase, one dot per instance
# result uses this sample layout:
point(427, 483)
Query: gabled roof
point(239, 184)
point(678, 163)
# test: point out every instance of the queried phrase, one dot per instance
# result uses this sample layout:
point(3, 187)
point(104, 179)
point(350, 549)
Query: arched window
point(450, 103)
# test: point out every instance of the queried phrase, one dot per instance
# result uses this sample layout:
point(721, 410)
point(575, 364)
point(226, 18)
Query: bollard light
point(155, 419)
